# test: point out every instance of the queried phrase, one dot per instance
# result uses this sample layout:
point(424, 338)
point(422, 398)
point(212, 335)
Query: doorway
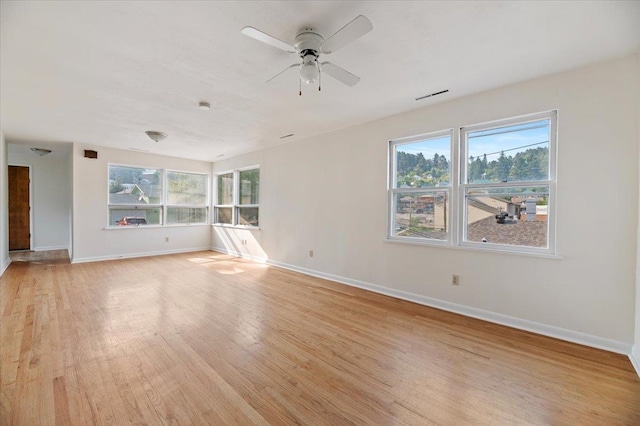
point(19, 208)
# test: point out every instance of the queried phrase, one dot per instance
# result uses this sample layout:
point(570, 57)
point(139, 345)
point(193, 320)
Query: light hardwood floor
point(205, 338)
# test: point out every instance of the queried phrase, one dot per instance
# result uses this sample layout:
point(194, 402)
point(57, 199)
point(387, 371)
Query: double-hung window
point(187, 197)
point(135, 196)
point(420, 188)
point(508, 184)
point(501, 197)
point(238, 197)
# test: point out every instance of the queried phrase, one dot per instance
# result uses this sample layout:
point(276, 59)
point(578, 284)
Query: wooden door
point(19, 228)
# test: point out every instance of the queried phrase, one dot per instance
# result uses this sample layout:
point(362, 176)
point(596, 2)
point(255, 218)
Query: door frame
point(31, 233)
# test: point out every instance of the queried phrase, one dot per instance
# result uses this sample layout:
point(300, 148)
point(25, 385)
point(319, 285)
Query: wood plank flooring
point(206, 338)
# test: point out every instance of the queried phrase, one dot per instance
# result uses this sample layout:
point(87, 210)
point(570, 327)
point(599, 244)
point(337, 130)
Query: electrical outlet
point(310, 253)
point(455, 279)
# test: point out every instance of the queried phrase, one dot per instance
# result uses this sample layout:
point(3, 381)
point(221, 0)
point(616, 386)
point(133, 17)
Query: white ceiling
point(104, 72)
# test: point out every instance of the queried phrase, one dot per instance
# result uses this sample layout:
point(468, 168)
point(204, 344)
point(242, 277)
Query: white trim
point(257, 259)
point(64, 247)
point(5, 265)
point(134, 255)
point(634, 357)
point(518, 323)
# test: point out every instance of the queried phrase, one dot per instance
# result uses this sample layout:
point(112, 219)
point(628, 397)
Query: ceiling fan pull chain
point(319, 79)
point(300, 82)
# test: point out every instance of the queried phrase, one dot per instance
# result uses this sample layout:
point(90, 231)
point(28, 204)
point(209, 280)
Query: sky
point(512, 139)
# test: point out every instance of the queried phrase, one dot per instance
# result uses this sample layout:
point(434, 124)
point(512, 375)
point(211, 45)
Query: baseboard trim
point(521, 324)
point(634, 356)
point(134, 255)
point(5, 264)
point(51, 248)
point(257, 259)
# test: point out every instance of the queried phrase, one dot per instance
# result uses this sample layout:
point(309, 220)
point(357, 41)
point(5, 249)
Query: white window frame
point(163, 206)
point(393, 191)
point(458, 188)
point(235, 206)
point(165, 193)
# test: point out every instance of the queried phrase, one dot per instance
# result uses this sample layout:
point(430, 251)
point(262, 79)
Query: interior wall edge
point(634, 356)
point(5, 264)
point(572, 336)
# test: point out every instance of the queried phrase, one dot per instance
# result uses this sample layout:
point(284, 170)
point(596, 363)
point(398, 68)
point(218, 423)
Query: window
point(238, 197)
point(187, 197)
point(420, 187)
point(505, 192)
point(135, 196)
point(140, 196)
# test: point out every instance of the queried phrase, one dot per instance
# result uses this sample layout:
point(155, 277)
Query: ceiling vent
point(432, 94)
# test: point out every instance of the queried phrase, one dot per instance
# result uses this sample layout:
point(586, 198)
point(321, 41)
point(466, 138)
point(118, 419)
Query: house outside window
point(237, 198)
point(135, 196)
point(502, 193)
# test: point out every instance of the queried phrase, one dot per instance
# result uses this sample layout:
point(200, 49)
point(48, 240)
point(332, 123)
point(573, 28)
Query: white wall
point(328, 193)
point(91, 241)
point(50, 206)
point(4, 206)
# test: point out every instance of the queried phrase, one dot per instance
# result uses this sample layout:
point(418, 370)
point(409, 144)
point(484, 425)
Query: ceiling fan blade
point(266, 38)
point(350, 32)
point(340, 74)
point(287, 68)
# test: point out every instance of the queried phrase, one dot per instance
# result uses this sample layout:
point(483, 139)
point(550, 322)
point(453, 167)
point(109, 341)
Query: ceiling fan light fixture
point(309, 72)
point(41, 151)
point(156, 136)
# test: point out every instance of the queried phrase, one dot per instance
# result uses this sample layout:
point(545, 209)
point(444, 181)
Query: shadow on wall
point(238, 241)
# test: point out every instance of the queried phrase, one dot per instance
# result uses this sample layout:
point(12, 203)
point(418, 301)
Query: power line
point(513, 149)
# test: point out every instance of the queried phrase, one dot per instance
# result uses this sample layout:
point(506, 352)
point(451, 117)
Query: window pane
point(134, 216)
point(249, 186)
point(225, 189)
point(509, 154)
point(423, 164)
point(186, 188)
point(512, 216)
point(186, 215)
point(248, 216)
point(223, 215)
point(132, 185)
point(421, 215)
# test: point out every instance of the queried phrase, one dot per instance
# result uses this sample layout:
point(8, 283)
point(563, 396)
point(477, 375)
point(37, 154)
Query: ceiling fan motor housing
point(308, 41)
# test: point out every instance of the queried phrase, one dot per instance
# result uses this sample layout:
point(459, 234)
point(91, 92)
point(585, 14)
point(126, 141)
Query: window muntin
point(502, 179)
point(238, 197)
point(419, 183)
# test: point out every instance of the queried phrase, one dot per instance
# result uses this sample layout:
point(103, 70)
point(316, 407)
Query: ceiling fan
point(310, 44)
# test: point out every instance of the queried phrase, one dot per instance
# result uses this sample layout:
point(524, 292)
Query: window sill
point(446, 245)
point(224, 225)
point(176, 225)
